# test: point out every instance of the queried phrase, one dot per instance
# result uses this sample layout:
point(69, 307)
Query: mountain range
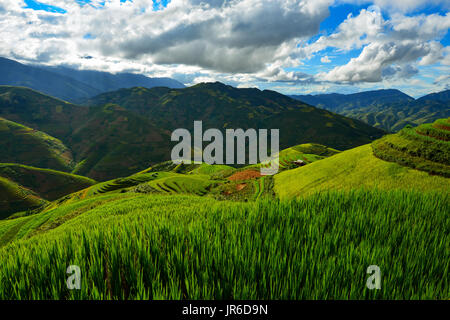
point(91, 184)
point(117, 133)
point(125, 131)
point(389, 109)
point(73, 85)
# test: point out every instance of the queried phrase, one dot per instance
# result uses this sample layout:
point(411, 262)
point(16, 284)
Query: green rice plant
point(414, 149)
point(187, 247)
point(178, 183)
point(430, 130)
point(353, 169)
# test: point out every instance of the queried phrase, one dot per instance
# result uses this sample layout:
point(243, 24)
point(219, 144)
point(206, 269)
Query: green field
point(353, 169)
point(49, 184)
point(425, 148)
point(21, 144)
point(199, 231)
point(132, 246)
point(25, 188)
point(15, 198)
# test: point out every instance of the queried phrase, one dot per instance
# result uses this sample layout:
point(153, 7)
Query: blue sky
point(296, 47)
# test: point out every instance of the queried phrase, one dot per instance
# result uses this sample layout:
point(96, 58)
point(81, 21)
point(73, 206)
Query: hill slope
point(41, 112)
point(353, 169)
point(221, 106)
point(21, 144)
point(106, 142)
point(426, 148)
point(394, 117)
point(114, 142)
point(47, 184)
point(15, 198)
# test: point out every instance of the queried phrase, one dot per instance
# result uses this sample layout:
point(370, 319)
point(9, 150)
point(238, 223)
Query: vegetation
point(49, 184)
point(127, 131)
point(424, 148)
point(163, 230)
point(352, 169)
point(197, 248)
point(214, 171)
point(221, 106)
point(116, 143)
point(25, 188)
point(21, 144)
point(387, 109)
point(308, 153)
point(33, 109)
point(15, 198)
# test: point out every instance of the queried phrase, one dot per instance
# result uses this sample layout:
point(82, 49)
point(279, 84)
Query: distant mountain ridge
point(128, 130)
point(443, 96)
point(222, 106)
point(74, 85)
point(387, 109)
point(105, 82)
point(337, 101)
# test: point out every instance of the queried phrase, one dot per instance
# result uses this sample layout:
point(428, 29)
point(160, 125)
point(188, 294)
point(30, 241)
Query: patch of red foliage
point(241, 186)
point(245, 175)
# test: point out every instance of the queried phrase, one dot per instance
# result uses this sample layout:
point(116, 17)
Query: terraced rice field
point(424, 148)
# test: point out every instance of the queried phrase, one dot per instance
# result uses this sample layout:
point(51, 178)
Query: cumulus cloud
point(325, 59)
point(230, 36)
point(389, 48)
point(234, 41)
point(376, 59)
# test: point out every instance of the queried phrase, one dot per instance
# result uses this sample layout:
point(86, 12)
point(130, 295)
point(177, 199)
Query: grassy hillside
point(106, 142)
point(116, 143)
point(200, 248)
point(308, 152)
point(21, 144)
point(48, 184)
point(131, 131)
point(15, 198)
point(426, 148)
point(221, 106)
point(352, 169)
point(41, 112)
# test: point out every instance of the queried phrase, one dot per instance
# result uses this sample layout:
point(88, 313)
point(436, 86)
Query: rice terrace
point(244, 152)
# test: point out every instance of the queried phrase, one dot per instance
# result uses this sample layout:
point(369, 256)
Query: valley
point(91, 185)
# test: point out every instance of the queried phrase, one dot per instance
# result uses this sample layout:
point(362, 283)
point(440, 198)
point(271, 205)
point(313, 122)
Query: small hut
point(299, 163)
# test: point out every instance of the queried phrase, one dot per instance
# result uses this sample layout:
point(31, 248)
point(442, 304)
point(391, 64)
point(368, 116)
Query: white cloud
point(235, 36)
point(235, 41)
point(325, 59)
point(376, 59)
point(389, 48)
